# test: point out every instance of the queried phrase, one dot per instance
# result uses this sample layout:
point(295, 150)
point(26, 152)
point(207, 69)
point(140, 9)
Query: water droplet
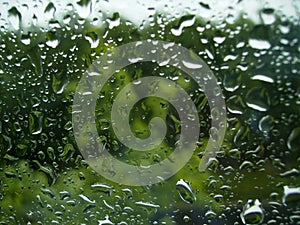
point(264, 78)
point(209, 54)
point(267, 16)
point(186, 219)
point(50, 10)
point(135, 60)
point(191, 65)
point(59, 82)
point(289, 173)
point(148, 206)
point(84, 8)
point(5, 144)
point(235, 104)
point(15, 18)
point(85, 198)
point(67, 19)
point(114, 21)
point(184, 22)
point(291, 195)
point(106, 221)
point(93, 39)
point(252, 212)
point(210, 214)
point(258, 98)
point(52, 40)
point(25, 39)
point(259, 44)
point(266, 124)
point(293, 141)
point(35, 122)
point(64, 195)
point(102, 187)
point(219, 40)
point(231, 82)
point(185, 191)
point(67, 153)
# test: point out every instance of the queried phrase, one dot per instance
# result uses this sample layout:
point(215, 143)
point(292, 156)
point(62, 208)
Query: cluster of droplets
point(257, 66)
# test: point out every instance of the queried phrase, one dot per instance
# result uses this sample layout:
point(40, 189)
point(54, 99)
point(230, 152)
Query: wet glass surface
point(251, 48)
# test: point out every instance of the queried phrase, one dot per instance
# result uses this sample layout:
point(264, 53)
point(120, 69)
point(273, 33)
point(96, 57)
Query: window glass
point(149, 112)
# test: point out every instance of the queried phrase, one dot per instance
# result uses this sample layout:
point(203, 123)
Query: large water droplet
point(267, 16)
point(184, 22)
point(185, 191)
point(35, 122)
point(93, 39)
point(266, 124)
point(235, 104)
point(50, 10)
point(264, 78)
point(84, 8)
point(25, 39)
point(252, 212)
point(52, 40)
point(259, 44)
point(293, 141)
point(291, 195)
point(59, 82)
point(106, 221)
point(114, 21)
point(14, 17)
point(258, 98)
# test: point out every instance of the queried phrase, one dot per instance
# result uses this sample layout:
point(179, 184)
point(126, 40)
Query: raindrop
point(264, 78)
point(67, 19)
point(266, 124)
point(52, 40)
point(185, 191)
point(102, 187)
point(148, 206)
point(252, 212)
point(64, 195)
point(59, 82)
point(184, 22)
point(210, 214)
point(209, 54)
point(106, 221)
point(219, 40)
point(85, 198)
point(267, 16)
point(259, 44)
point(291, 195)
point(93, 39)
point(258, 98)
point(114, 21)
point(191, 65)
point(289, 173)
point(186, 219)
point(35, 122)
point(135, 60)
point(235, 104)
point(84, 8)
point(14, 17)
point(50, 10)
point(231, 82)
point(293, 141)
point(25, 39)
